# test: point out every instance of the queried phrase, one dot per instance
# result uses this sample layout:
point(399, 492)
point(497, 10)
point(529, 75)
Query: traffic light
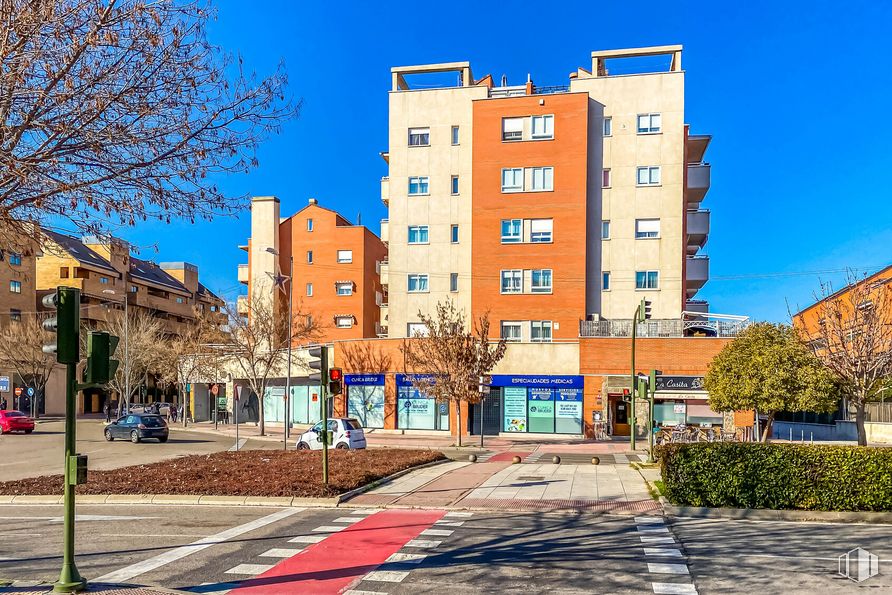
point(320, 363)
point(335, 381)
point(100, 367)
point(66, 301)
point(644, 312)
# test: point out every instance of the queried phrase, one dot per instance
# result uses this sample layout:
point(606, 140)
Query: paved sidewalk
point(38, 588)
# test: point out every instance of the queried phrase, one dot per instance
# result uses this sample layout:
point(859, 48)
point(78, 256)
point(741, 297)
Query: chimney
point(313, 201)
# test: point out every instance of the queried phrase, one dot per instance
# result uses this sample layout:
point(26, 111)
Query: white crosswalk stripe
point(347, 519)
point(307, 539)
point(661, 568)
point(662, 552)
point(402, 558)
point(673, 589)
point(437, 532)
point(281, 552)
point(386, 576)
point(458, 515)
point(422, 543)
point(329, 528)
point(250, 569)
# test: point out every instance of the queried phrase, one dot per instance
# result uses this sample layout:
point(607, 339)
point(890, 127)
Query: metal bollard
point(791, 434)
point(802, 437)
point(811, 438)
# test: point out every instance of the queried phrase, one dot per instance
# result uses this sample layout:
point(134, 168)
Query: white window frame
point(646, 286)
point(348, 319)
point(607, 129)
point(510, 239)
point(421, 230)
point(541, 288)
point(454, 186)
point(605, 229)
point(453, 282)
point(541, 236)
point(419, 328)
point(605, 280)
point(547, 179)
point(15, 286)
point(647, 234)
point(542, 325)
point(455, 136)
point(516, 336)
point(517, 174)
point(650, 123)
point(421, 279)
point(547, 123)
point(605, 178)
point(309, 290)
point(649, 171)
point(422, 183)
point(310, 224)
point(453, 234)
point(516, 277)
point(420, 132)
point(512, 135)
point(345, 256)
point(347, 285)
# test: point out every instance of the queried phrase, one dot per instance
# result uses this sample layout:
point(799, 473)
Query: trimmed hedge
point(777, 476)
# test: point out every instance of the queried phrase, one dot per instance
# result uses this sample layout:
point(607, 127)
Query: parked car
point(347, 434)
point(15, 421)
point(137, 427)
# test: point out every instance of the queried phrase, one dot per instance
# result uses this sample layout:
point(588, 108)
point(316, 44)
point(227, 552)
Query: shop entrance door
point(491, 417)
point(619, 413)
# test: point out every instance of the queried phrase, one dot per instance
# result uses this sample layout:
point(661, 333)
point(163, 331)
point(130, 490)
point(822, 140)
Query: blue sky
point(795, 94)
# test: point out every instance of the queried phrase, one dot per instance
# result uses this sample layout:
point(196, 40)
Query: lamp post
point(642, 313)
point(287, 424)
point(126, 350)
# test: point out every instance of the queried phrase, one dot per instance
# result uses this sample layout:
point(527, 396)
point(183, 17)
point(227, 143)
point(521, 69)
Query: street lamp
point(126, 351)
point(275, 252)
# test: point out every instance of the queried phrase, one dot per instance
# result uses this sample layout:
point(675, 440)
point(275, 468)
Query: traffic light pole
point(70, 580)
point(634, 391)
point(323, 395)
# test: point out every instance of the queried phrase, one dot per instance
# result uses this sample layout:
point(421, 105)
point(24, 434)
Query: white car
point(347, 431)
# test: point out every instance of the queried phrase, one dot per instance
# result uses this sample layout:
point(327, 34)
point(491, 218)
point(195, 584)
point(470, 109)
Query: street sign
point(4, 384)
point(30, 392)
point(18, 391)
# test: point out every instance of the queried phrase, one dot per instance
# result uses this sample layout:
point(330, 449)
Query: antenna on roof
point(359, 218)
point(504, 80)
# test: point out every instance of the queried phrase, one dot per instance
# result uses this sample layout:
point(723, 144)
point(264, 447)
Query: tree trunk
point(860, 415)
point(458, 421)
point(260, 417)
point(766, 432)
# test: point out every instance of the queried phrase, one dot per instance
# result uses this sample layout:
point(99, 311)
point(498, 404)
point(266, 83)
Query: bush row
point(778, 476)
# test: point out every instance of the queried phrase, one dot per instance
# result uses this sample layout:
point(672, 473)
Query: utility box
point(77, 469)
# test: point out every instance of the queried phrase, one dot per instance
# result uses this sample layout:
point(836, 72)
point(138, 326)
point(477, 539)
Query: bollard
point(596, 460)
point(472, 458)
point(791, 434)
point(515, 460)
point(802, 438)
point(811, 438)
point(556, 460)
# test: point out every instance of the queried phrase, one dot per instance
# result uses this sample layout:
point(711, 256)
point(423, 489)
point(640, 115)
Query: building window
point(15, 315)
point(453, 281)
point(134, 289)
point(649, 123)
point(15, 259)
point(214, 308)
point(647, 280)
point(418, 284)
point(309, 290)
point(512, 281)
point(649, 175)
point(511, 331)
point(543, 178)
point(605, 280)
point(605, 230)
point(540, 230)
point(344, 321)
point(541, 281)
point(608, 126)
point(454, 185)
point(512, 128)
point(103, 280)
point(540, 331)
point(416, 329)
point(418, 234)
point(63, 273)
point(344, 287)
point(512, 231)
point(454, 234)
point(418, 186)
point(419, 137)
point(309, 257)
point(309, 225)
point(543, 127)
point(605, 178)
point(647, 228)
point(455, 135)
point(15, 286)
point(345, 256)
point(180, 300)
point(512, 179)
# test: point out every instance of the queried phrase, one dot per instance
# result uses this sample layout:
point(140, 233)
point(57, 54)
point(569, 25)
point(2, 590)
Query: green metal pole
point(323, 395)
point(633, 392)
point(70, 580)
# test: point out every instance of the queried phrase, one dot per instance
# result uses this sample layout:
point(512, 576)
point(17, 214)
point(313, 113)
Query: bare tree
point(258, 340)
point(852, 336)
point(365, 357)
point(448, 360)
point(121, 110)
point(21, 349)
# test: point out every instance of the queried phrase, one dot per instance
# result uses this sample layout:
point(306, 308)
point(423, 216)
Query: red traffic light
point(335, 374)
point(626, 392)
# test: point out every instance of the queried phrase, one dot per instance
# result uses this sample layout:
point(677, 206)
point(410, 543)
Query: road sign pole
point(325, 432)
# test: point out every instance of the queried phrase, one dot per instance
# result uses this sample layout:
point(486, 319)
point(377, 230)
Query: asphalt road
point(246, 550)
point(41, 453)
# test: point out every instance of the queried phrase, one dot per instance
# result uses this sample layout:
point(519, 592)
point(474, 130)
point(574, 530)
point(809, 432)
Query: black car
point(136, 427)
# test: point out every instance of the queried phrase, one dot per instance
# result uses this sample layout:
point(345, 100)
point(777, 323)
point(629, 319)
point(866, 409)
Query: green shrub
point(748, 475)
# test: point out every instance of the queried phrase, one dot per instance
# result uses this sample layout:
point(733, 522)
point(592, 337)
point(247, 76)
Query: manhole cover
point(531, 478)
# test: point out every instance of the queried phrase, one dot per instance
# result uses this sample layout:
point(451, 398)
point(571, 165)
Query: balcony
point(696, 274)
point(696, 147)
point(698, 182)
point(241, 305)
point(243, 273)
point(696, 307)
point(698, 230)
point(384, 272)
point(385, 230)
point(385, 191)
point(724, 326)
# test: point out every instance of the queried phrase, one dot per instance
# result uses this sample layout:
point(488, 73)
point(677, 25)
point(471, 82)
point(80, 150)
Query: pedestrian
point(108, 411)
point(3, 404)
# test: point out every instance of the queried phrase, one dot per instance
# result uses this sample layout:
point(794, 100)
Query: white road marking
point(422, 543)
point(652, 531)
point(658, 551)
point(445, 523)
point(360, 592)
point(673, 589)
point(652, 540)
point(281, 552)
point(239, 445)
point(660, 568)
point(386, 576)
point(407, 558)
point(81, 518)
point(128, 572)
point(365, 511)
point(307, 539)
point(459, 515)
point(437, 532)
point(347, 519)
point(649, 519)
point(250, 569)
point(329, 528)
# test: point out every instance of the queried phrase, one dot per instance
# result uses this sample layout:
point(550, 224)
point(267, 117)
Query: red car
point(15, 421)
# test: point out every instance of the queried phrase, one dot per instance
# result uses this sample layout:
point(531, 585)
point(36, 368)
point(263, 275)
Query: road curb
point(766, 514)
point(37, 500)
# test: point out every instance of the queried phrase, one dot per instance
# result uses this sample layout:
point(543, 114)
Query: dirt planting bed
point(245, 473)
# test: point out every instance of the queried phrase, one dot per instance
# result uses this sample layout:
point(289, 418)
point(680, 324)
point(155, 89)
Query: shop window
point(366, 403)
point(418, 411)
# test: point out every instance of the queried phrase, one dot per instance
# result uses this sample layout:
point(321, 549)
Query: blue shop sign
point(364, 379)
point(406, 379)
point(538, 381)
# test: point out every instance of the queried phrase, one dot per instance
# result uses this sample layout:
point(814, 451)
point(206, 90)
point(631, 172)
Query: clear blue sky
point(795, 94)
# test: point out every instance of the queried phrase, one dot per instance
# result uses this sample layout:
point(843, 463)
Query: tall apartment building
point(544, 206)
point(336, 266)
